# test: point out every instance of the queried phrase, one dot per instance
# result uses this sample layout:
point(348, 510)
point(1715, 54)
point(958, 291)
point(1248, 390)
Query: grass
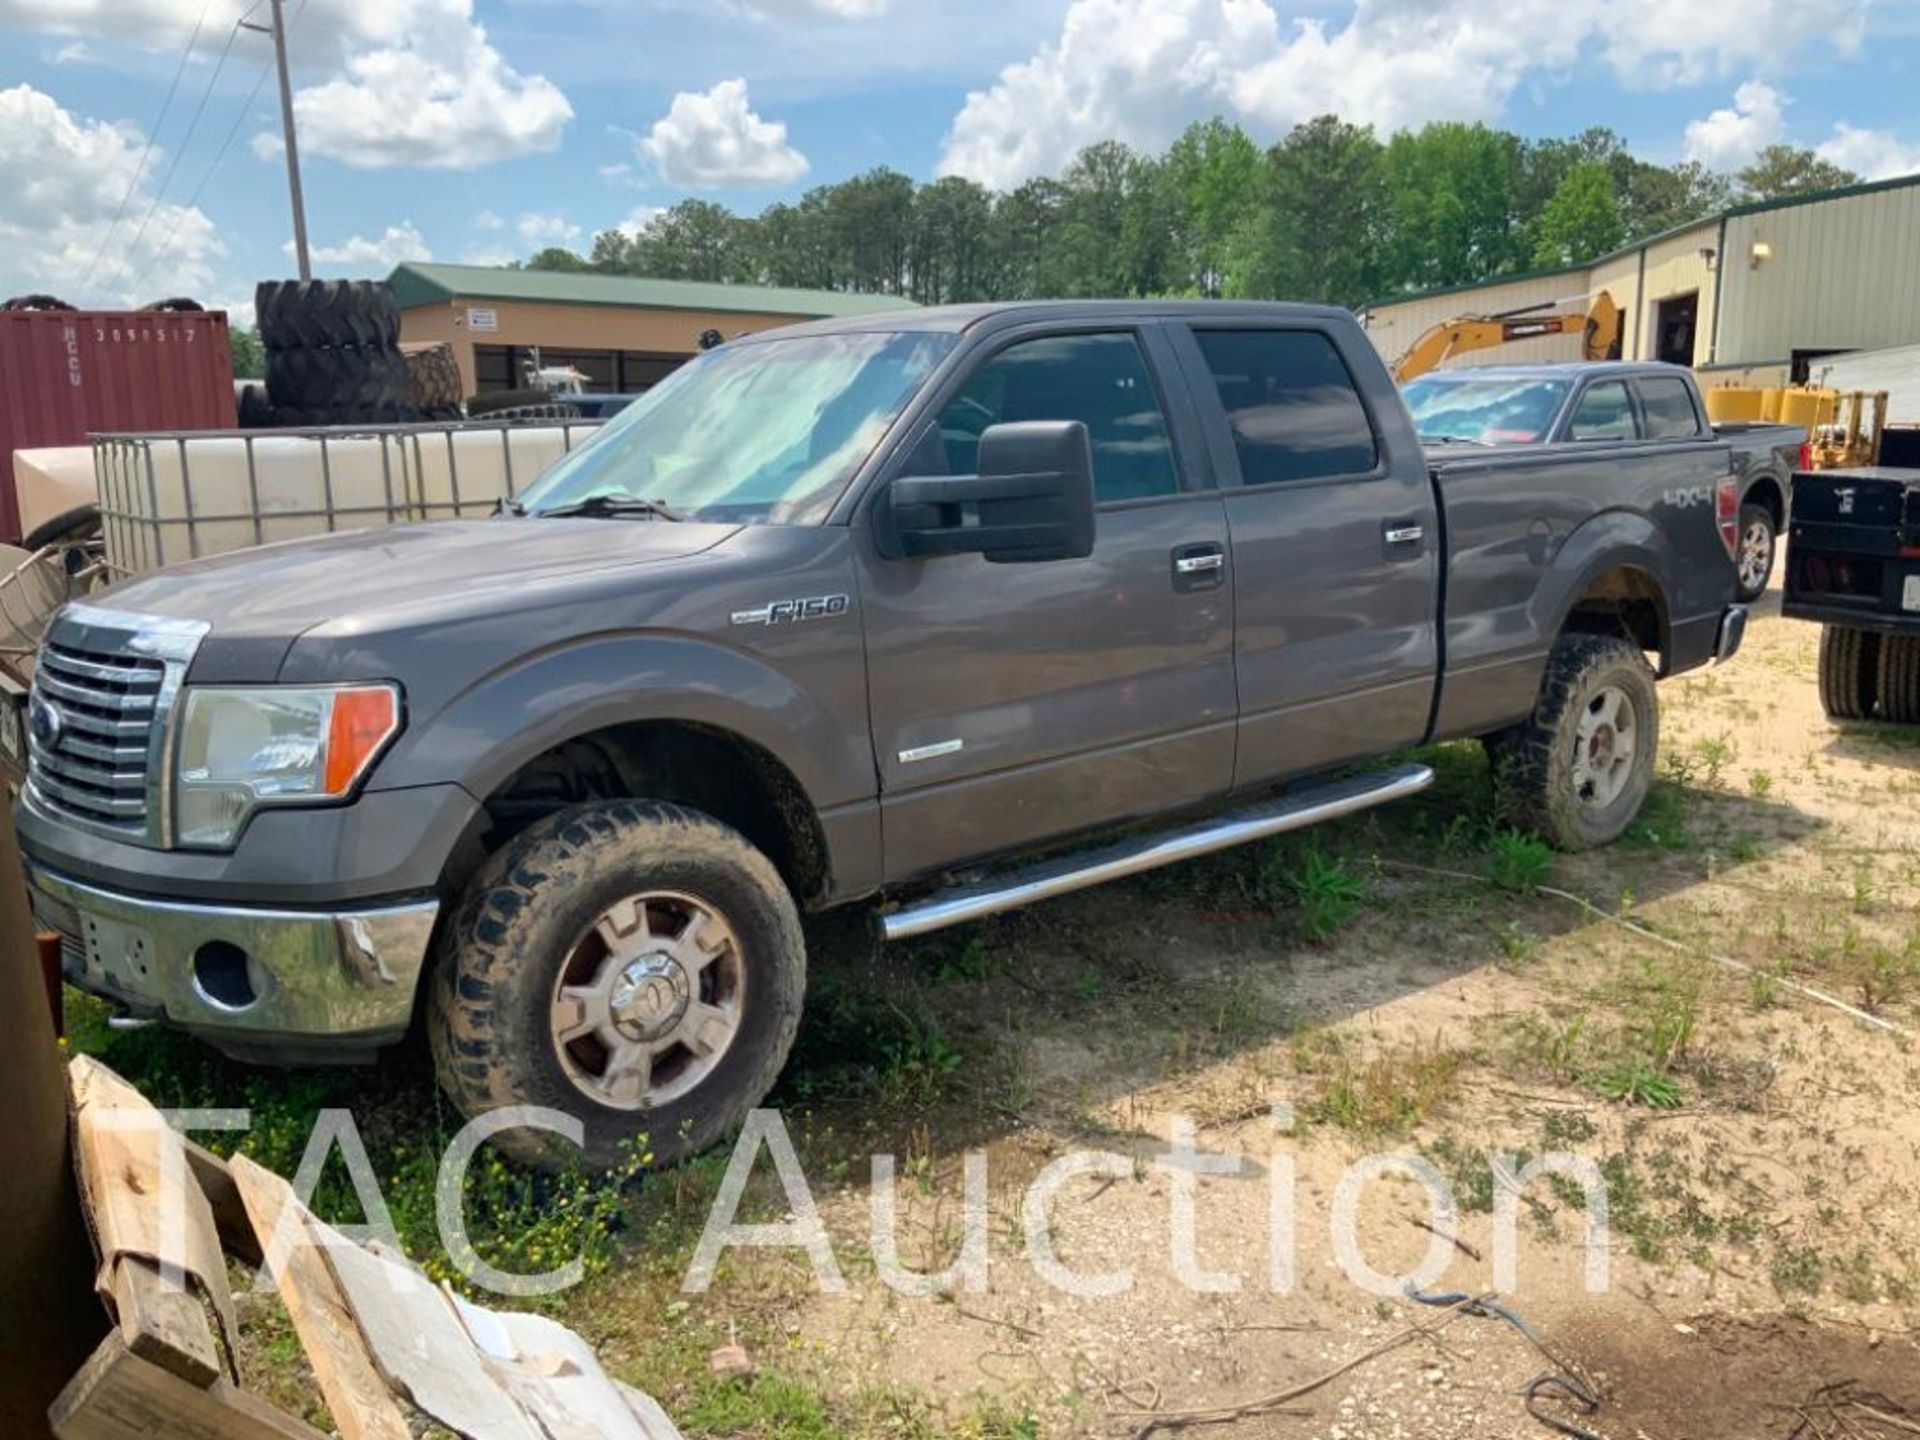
point(1325, 893)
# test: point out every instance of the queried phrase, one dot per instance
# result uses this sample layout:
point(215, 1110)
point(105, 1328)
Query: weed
point(1387, 1095)
point(1662, 822)
point(1327, 893)
point(1759, 784)
point(1714, 753)
point(1521, 863)
point(1635, 1082)
point(1743, 849)
point(1797, 1269)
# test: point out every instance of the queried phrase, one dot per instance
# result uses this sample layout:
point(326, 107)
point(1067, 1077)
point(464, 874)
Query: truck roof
point(959, 318)
point(1563, 370)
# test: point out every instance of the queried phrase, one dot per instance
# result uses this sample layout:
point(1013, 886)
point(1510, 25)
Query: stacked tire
point(333, 353)
point(1868, 676)
point(434, 384)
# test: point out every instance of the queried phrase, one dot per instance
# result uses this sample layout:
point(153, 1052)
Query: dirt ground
point(1760, 1150)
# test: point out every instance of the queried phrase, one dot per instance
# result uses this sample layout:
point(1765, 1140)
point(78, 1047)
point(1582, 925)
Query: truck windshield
point(767, 431)
point(1462, 406)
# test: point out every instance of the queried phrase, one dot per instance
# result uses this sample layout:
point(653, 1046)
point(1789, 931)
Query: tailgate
point(1855, 540)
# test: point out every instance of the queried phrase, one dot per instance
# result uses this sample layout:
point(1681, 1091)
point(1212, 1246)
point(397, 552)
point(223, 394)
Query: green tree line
point(1330, 213)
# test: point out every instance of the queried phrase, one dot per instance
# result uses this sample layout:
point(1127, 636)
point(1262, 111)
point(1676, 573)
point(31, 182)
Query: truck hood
point(276, 592)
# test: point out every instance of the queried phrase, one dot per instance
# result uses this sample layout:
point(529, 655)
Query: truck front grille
point(93, 734)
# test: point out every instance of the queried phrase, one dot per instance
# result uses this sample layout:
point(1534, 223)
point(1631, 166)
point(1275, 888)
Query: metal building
point(623, 332)
point(1757, 294)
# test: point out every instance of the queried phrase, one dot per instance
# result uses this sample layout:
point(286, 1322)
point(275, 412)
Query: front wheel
point(1753, 560)
point(1578, 769)
point(637, 965)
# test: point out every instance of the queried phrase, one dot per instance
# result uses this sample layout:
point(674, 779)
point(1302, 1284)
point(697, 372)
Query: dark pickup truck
point(1853, 564)
point(850, 611)
point(1610, 401)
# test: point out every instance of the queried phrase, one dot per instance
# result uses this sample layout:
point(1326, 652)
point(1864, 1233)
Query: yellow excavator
point(1598, 325)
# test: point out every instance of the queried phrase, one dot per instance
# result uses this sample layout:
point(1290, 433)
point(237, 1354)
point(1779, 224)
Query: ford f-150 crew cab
point(1604, 401)
point(830, 615)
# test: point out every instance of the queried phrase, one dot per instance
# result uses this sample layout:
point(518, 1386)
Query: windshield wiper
point(604, 507)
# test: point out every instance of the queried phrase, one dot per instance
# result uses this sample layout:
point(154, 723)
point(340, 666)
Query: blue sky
point(482, 129)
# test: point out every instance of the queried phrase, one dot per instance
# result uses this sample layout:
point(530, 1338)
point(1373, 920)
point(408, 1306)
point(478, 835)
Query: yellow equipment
point(1854, 438)
point(1599, 326)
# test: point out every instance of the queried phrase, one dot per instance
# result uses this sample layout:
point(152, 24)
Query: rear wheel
point(1899, 678)
point(1850, 672)
point(1577, 772)
point(1753, 560)
point(637, 965)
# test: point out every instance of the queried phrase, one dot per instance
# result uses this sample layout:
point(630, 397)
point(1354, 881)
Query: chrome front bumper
point(250, 975)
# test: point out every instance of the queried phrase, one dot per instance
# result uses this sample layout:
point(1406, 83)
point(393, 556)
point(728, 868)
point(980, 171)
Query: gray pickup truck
point(849, 611)
point(1608, 401)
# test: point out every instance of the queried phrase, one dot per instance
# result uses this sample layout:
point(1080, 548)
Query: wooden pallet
point(385, 1344)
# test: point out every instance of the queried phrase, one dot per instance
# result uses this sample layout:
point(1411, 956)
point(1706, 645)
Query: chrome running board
point(1062, 876)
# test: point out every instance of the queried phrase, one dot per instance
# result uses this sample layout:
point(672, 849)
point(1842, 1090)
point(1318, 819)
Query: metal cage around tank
point(167, 497)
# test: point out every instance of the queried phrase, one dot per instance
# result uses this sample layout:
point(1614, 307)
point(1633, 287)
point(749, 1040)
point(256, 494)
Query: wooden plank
point(118, 1396)
point(229, 1215)
point(163, 1321)
point(361, 1404)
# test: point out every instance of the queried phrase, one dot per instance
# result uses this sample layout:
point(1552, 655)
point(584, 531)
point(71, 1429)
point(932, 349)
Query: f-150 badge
point(792, 612)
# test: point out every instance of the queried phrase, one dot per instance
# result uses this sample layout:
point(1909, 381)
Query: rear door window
point(1292, 405)
point(1669, 408)
point(1604, 413)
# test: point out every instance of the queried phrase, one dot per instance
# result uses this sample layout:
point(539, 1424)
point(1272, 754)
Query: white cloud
point(638, 219)
point(62, 180)
point(1728, 139)
point(1141, 70)
point(1875, 154)
point(488, 220)
point(540, 231)
point(74, 52)
point(373, 258)
point(714, 140)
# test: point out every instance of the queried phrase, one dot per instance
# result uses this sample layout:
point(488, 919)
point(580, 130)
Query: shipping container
point(69, 374)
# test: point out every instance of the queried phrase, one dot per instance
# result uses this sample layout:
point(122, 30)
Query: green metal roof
point(1516, 278)
point(415, 285)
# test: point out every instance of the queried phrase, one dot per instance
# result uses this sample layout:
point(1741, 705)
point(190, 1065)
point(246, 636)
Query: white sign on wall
point(483, 322)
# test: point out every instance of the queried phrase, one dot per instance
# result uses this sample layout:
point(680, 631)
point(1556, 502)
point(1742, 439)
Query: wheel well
point(1624, 601)
point(1766, 491)
point(715, 771)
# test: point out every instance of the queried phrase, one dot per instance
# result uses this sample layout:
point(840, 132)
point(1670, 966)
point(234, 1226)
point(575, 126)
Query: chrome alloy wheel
point(649, 1001)
point(1756, 556)
point(1603, 748)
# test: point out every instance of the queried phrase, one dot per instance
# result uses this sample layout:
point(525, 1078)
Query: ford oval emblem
point(43, 723)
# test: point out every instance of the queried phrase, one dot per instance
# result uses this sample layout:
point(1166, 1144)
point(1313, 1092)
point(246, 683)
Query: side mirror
point(1032, 500)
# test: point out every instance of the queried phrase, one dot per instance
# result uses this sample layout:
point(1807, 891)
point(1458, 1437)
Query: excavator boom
point(1599, 327)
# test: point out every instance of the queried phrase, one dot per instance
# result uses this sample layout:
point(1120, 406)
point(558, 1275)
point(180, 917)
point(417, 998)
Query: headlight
point(240, 750)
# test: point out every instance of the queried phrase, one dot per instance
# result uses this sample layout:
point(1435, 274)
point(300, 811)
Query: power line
point(239, 121)
point(187, 139)
point(146, 153)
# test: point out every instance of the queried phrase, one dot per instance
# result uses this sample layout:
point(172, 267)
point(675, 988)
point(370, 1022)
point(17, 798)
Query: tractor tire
point(69, 527)
point(255, 410)
point(1753, 558)
point(636, 965)
point(487, 404)
point(1850, 672)
point(1899, 677)
point(434, 378)
point(343, 379)
point(1578, 770)
point(35, 302)
point(326, 314)
point(177, 305)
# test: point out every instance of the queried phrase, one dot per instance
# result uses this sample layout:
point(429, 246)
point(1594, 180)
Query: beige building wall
point(1842, 274)
point(574, 327)
point(1394, 327)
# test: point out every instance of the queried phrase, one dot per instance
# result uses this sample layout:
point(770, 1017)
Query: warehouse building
point(1756, 295)
point(622, 332)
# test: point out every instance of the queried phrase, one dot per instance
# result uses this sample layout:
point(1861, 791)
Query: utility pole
point(287, 130)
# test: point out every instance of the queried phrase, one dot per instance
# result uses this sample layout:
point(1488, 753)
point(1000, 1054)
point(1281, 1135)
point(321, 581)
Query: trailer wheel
point(1850, 672)
point(637, 965)
point(1577, 771)
point(1753, 560)
point(1899, 678)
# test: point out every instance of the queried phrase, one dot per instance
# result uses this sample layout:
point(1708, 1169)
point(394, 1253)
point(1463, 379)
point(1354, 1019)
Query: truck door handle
point(1198, 567)
point(1403, 532)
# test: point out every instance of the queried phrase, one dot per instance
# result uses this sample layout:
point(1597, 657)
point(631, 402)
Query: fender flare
point(1611, 540)
point(502, 721)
